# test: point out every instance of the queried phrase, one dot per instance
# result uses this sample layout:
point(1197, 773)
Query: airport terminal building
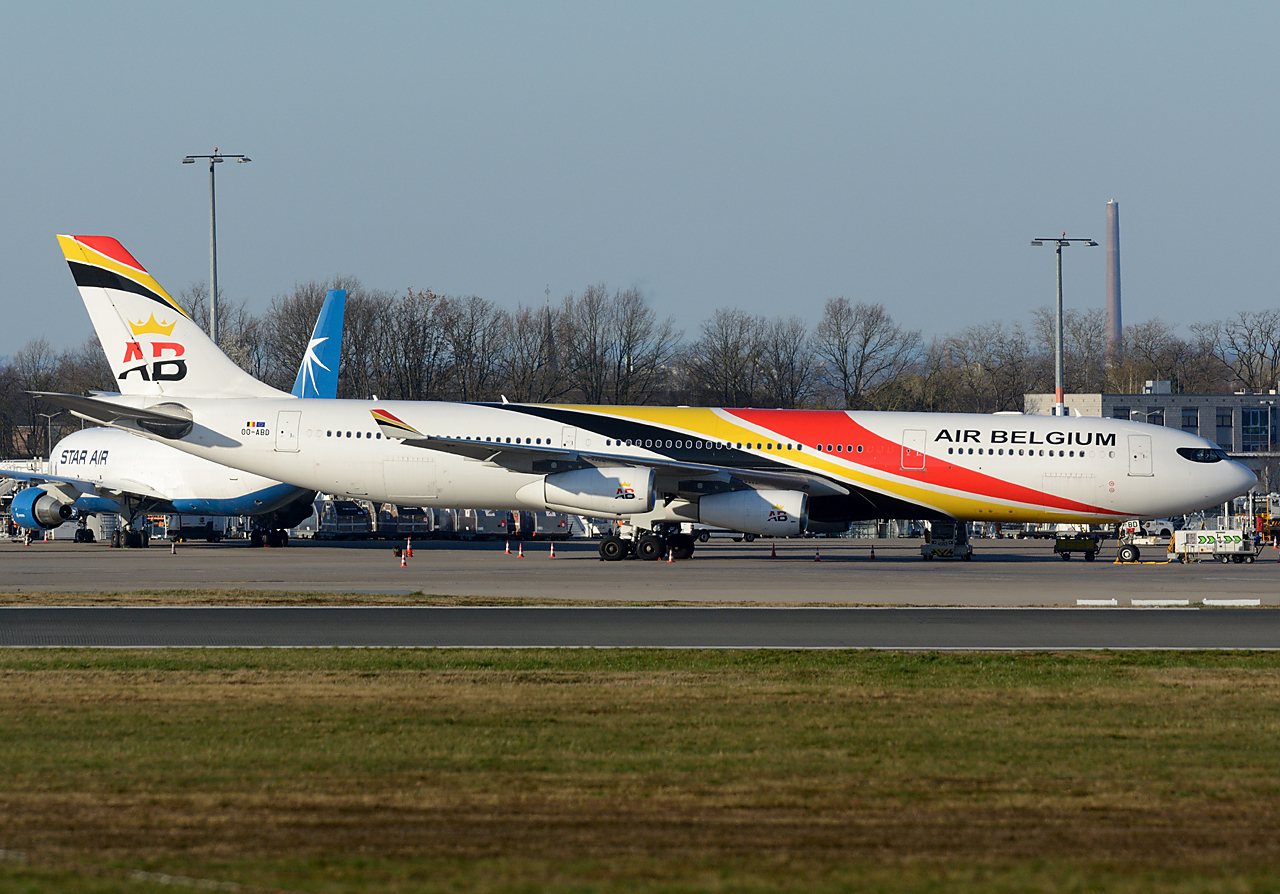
point(1242, 424)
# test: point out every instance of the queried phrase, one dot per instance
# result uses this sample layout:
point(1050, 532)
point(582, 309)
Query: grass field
point(638, 771)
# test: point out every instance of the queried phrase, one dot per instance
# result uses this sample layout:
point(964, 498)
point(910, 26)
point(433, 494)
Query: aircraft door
point(1140, 456)
point(913, 449)
point(287, 431)
point(569, 437)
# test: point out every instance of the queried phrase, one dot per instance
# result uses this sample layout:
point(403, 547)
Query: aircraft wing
point(72, 487)
point(680, 477)
point(62, 483)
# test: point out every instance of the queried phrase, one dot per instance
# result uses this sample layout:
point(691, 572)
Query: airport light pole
point(49, 422)
point(1059, 401)
point(215, 159)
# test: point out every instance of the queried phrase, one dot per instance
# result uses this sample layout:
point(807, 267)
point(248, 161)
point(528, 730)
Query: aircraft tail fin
point(318, 374)
point(153, 346)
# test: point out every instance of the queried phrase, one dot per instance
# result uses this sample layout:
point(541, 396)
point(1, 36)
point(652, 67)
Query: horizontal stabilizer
point(169, 420)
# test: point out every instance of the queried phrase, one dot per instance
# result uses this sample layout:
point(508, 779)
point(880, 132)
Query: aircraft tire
point(255, 537)
point(612, 549)
point(1129, 554)
point(650, 547)
point(1088, 557)
point(704, 536)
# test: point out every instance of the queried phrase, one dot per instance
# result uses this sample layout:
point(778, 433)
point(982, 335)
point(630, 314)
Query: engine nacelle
point(611, 492)
point(780, 513)
point(35, 507)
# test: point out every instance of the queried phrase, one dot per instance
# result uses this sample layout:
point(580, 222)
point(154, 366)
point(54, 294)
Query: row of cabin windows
point(700, 445)
point(993, 451)
point(368, 434)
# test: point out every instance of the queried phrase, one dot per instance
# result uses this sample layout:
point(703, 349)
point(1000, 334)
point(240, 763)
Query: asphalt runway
point(639, 627)
point(1003, 573)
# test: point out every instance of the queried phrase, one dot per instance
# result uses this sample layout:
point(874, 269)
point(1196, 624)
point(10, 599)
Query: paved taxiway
point(644, 627)
point(1003, 573)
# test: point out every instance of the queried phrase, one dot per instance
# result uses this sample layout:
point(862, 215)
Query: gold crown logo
point(152, 326)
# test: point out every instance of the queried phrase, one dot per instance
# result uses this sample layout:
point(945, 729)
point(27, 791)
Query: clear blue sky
point(762, 156)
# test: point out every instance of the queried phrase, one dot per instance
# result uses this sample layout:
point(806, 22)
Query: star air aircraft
point(107, 470)
point(760, 471)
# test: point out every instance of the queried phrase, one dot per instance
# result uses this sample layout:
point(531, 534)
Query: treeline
point(611, 347)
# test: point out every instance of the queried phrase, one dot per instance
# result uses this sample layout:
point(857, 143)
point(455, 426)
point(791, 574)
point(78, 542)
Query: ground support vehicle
point(946, 540)
point(178, 528)
point(1225, 546)
point(339, 520)
point(1085, 544)
point(1131, 541)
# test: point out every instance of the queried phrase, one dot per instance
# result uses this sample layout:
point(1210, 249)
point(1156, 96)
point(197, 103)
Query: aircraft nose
point(1240, 478)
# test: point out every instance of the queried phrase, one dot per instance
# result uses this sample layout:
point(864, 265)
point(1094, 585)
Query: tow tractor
point(1133, 540)
point(946, 539)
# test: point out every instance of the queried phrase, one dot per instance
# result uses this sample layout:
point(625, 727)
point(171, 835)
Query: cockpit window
point(1203, 454)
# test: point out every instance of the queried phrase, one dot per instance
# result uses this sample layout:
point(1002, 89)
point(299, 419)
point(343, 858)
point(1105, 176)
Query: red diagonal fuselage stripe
point(811, 427)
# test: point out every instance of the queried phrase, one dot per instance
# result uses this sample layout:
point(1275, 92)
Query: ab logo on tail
point(166, 365)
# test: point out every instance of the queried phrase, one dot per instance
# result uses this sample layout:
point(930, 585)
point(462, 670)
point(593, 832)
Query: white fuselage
point(997, 468)
point(117, 462)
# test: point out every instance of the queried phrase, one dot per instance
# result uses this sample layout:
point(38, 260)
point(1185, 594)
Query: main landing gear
point(270, 537)
point(648, 545)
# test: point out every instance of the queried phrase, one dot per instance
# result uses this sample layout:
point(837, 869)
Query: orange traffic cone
point(520, 551)
point(773, 551)
point(403, 563)
point(873, 553)
point(817, 556)
point(670, 556)
point(408, 546)
point(553, 550)
point(507, 551)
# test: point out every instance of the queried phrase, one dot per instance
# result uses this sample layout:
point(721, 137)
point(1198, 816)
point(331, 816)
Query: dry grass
point(479, 771)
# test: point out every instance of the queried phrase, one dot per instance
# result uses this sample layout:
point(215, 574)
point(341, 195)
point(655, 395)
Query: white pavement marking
point(1233, 602)
point(1149, 603)
point(1097, 602)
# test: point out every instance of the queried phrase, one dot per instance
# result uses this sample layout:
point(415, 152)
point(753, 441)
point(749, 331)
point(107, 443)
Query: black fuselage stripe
point(99, 277)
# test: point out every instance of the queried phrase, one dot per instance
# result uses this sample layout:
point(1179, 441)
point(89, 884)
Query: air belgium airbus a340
point(768, 472)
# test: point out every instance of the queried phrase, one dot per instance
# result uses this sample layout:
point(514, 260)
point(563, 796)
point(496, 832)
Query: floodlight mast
point(1059, 394)
point(215, 159)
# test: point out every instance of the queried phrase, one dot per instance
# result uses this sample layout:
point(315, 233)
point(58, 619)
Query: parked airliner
point(769, 472)
point(107, 470)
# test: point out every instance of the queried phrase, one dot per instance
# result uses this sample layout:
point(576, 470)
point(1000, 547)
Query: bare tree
point(35, 368)
point(533, 372)
point(1249, 345)
point(723, 362)
point(477, 330)
point(788, 368)
point(995, 367)
point(1083, 347)
point(862, 349)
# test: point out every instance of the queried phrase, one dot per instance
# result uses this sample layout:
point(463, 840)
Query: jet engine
point(605, 492)
point(34, 507)
point(781, 513)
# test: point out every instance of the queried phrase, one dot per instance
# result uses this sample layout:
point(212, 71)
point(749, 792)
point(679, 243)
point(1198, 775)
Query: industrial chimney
point(1115, 344)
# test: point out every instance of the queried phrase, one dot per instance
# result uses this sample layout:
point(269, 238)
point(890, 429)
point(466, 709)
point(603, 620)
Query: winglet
point(393, 427)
